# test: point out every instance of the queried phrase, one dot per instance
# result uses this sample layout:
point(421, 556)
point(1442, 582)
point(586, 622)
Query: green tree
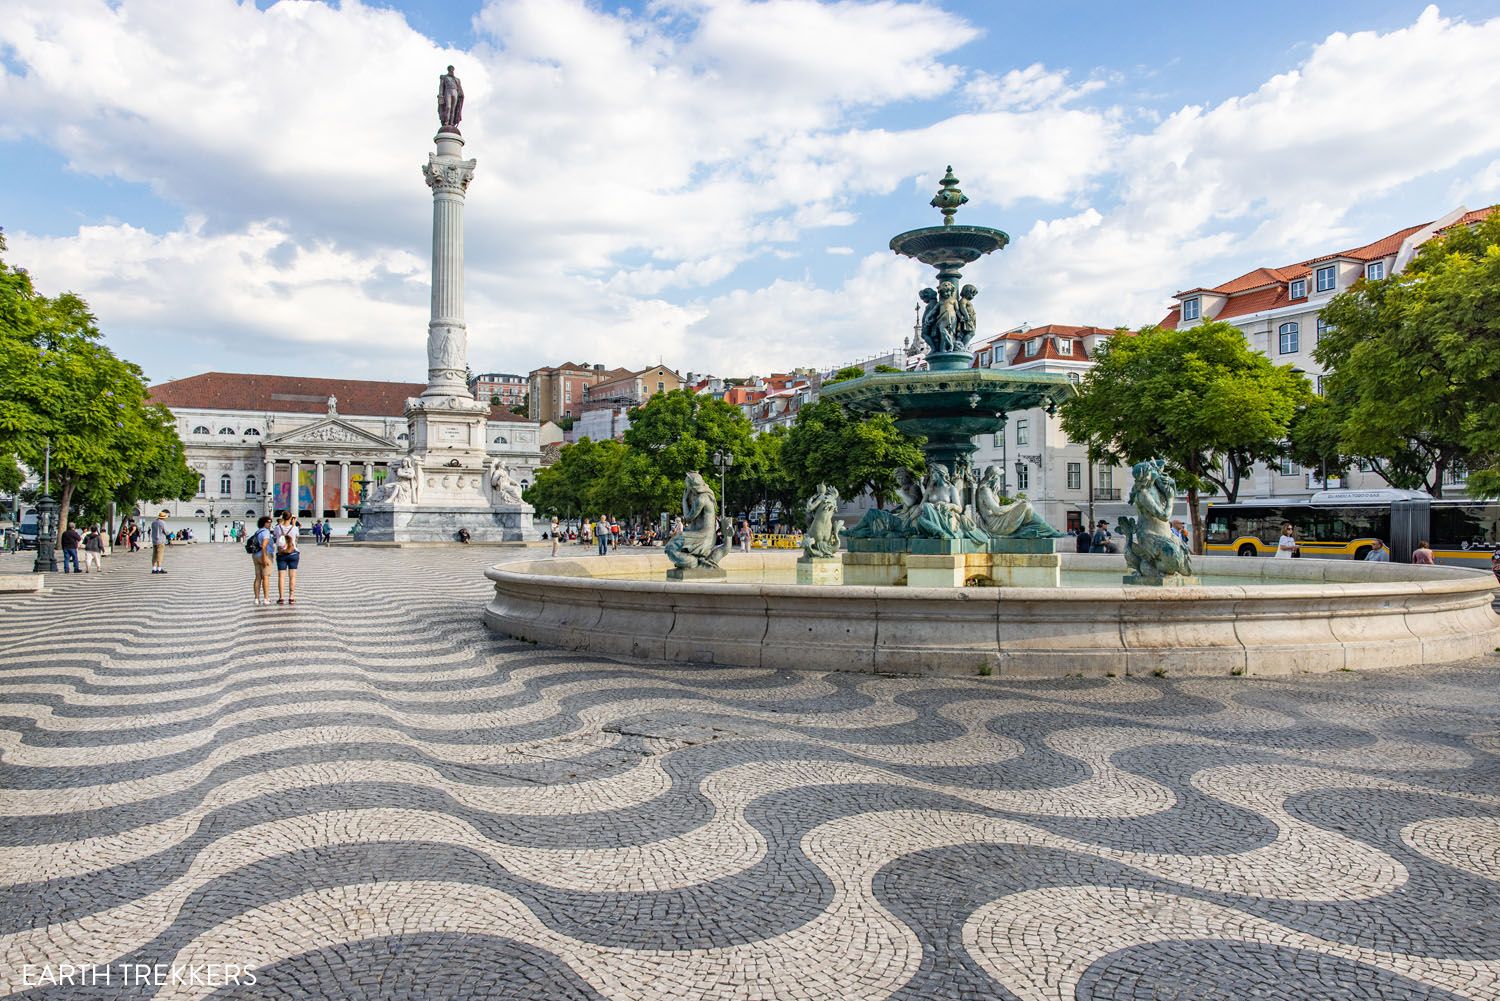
point(67, 391)
point(846, 373)
point(1414, 365)
point(852, 455)
point(562, 489)
point(1199, 398)
point(678, 432)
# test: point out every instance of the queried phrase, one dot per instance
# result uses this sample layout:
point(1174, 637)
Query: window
point(500, 439)
point(201, 429)
point(1320, 384)
point(1023, 431)
point(999, 439)
point(1322, 329)
point(1457, 473)
point(202, 487)
point(1064, 346)
point(1074, 377)
point(226, 430)
point(1190, 308)
point(1298, 289)
point(1075, 476)
point(1375, 270)
point(1106, 478)
point(200, 513)
point(1290, 468)
point(226, 485)
point(403, 436)
point(1023, 477)
point(250, 484)
point(661, 387)
point(1328, 278)
point(1288, 338)
point(1032, 347)
point(252, 431)
point(249, 514)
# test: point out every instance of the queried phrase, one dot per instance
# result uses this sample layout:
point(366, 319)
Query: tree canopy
point(1200, 398)
point(1414, 367)
point(66, 390)
point(852, 455)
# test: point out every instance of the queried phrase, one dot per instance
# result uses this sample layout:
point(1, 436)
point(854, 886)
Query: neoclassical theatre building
point(257, 441)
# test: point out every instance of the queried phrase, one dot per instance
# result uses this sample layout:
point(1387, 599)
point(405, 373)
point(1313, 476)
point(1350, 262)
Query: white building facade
point(261, 443)
point(1279, 310)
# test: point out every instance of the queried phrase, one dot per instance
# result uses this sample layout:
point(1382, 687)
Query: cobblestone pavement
point(367, 796)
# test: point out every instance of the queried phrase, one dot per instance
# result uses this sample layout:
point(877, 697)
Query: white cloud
point(1025, 89)
point(628, 161)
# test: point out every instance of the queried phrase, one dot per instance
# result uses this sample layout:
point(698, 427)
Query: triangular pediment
point(331, 431)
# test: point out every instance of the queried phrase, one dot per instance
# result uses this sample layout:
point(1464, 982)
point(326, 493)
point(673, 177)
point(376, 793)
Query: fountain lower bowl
point(1256, 617)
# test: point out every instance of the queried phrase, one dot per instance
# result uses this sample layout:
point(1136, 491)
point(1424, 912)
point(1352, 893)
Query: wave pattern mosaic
point(368, 796)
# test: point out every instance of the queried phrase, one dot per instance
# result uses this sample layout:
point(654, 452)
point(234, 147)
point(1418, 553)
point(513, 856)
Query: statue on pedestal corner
point(695, 546)
point(821, 540)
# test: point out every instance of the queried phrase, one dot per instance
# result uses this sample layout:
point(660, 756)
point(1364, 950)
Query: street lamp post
point(723, 460)
point(213, 518)
point(46, 522)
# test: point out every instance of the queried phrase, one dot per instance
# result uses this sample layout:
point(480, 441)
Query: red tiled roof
point(295, 394)
point(1254, 302)
point(1470, 218)
point(1169, 322)
point(1383, 247)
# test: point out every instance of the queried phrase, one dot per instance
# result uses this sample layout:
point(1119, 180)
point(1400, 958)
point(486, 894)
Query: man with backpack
point(287, 558)
point(258, 548)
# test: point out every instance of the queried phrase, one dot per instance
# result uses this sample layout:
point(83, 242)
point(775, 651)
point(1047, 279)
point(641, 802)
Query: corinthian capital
point(448, 175)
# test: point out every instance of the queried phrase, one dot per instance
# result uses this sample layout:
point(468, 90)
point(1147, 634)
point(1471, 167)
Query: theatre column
point(268, 487)
point(294, 503)
point(343, 509)
point(318, 490)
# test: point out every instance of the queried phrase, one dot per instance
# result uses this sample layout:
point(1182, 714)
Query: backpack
point(252, 544)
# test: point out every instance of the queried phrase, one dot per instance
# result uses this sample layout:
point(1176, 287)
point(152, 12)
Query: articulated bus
point(1342, 525)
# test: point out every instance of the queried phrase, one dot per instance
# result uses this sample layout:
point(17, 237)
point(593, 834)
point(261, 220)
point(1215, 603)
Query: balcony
point(1106, 493)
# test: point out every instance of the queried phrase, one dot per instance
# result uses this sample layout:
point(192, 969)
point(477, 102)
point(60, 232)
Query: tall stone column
point(448, 175)
point(369, 481)
point(268, 487)
point(293, 504)
point(343, 509)
point(318, 490)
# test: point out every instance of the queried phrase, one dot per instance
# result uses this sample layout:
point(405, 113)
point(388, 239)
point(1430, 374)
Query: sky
point(236, 186)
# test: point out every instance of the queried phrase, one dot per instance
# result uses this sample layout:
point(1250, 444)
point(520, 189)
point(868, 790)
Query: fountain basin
point(1279, 617)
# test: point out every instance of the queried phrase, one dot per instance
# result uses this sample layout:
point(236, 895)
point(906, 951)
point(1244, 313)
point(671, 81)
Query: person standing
point(1422, 556)
point(1083, 542)
point(159, 537)
point(552, 534)
point(1179, 532)
point(93, 549)
point(317, 533)
point(69, 543)
point(261, 558)
point(287, 558)
point(1379, 554)
point(601, 533)
point(1099, 543)
point(1286, 546)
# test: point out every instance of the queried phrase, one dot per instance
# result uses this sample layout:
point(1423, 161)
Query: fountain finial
point(949, 198)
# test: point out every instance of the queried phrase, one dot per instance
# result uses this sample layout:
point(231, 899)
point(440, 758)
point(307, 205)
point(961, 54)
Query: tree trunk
point(1197, 519)
point(1435, 486)
point(64, 503)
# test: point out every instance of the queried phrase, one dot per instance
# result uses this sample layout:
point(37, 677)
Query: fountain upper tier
point(950, 407)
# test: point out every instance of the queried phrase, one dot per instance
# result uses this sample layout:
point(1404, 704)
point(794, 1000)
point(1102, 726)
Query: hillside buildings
point(501, 389)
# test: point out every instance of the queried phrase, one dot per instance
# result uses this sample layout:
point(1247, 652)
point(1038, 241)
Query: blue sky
point(711, 183)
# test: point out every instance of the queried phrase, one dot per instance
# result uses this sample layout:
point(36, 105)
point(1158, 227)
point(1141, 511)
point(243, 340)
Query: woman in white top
point(1287, 544)
point(553, 536)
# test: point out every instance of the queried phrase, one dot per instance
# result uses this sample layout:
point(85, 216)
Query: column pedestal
point(447, 454)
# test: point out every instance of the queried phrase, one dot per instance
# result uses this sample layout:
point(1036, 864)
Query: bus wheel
point(1362, 552)
point(1247, 550)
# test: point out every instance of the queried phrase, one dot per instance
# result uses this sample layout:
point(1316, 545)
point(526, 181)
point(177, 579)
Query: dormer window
point(1297, 289)
point(1328, 278)
point(1064, 346)
point(1190, 309)
point(226, 430)
point(1032, 347)
point(1375, 270)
